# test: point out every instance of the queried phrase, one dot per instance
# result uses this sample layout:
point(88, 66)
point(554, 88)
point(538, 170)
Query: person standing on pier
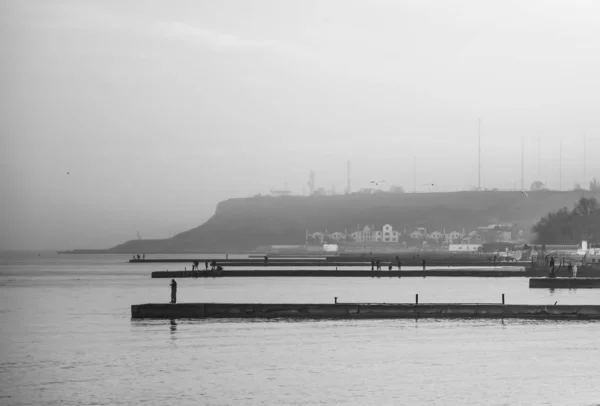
point(372, 265)
point(570, 269)
point(575, 271)
point(173, 291)
point(423, 262)
point(399, 265)
point(378, 263)
point(206, 265)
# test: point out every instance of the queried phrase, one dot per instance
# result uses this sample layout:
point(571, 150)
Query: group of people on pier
point(376, 264)
point(209, 266)
point(553, 270)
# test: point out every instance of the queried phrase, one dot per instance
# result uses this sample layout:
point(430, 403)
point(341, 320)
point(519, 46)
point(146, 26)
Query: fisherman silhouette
point(173, 291)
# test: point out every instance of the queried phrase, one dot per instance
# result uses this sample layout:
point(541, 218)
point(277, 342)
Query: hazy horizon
point(159, 112)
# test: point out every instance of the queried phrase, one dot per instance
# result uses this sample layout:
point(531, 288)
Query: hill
point(243, 224)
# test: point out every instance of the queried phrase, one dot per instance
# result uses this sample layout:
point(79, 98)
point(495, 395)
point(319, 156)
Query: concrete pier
point(564, 283)
point(362, 311)
point(329, 273)
point(333, 262)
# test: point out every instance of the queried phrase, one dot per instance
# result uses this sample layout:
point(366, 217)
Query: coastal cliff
point(243, 224)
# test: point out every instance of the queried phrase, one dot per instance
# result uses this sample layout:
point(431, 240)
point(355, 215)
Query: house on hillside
point(472, 238)
point(315, 238)
point(453, 237)
point(389, 234)
point(371, 234)
point(436, 236)
point(367, 234)
point(337, 236)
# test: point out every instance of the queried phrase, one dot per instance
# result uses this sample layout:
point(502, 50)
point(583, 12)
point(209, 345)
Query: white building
point(389, 234)
point(370, 234)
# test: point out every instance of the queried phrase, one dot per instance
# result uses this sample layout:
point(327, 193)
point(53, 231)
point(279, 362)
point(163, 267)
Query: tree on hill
point(570, 227)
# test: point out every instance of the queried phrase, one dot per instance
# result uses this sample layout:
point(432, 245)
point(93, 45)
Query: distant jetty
point(365, 262)
point(363, 311)
point(329, 273)
point(565, 283)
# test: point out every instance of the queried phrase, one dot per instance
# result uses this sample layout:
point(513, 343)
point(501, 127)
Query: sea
point(67, 338)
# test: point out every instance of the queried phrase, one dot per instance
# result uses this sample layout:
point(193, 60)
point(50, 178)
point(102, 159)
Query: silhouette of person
point(173, 291)
point(423, 262)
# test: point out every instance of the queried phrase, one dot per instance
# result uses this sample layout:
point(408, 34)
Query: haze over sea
point(67, 338)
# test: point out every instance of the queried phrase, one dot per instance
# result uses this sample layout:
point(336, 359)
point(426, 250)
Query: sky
point(119, 116)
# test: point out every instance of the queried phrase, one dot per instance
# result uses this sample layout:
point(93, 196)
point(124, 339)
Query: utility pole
point(522, 163)
point(479, 155)
point(584, 162)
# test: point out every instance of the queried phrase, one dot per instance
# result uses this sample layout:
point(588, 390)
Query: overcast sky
point(159, 110)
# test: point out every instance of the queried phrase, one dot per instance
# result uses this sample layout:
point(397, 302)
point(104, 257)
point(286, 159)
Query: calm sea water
point(67, 338)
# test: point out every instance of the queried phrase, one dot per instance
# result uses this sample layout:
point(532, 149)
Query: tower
point(479, 155)
point(522, 163)
point(584, 162)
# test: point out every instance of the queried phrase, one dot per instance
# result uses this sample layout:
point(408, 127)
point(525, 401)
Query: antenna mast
point(479, 155)
point(584, 162)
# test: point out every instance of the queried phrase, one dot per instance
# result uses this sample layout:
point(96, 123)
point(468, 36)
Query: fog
point(119, 117)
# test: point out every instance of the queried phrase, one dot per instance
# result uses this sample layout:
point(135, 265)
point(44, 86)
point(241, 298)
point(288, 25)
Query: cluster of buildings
point(420, 236)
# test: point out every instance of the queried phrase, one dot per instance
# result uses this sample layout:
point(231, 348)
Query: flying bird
point(68, 173)
point(429, 184)
point(525, 193)
point(377, 182)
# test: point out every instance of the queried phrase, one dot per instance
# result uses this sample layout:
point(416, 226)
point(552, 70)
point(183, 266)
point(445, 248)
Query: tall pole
point(522, 163)
point(479, 155)
point(584, 162)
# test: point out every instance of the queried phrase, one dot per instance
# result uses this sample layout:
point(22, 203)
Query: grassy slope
point(242, 224)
